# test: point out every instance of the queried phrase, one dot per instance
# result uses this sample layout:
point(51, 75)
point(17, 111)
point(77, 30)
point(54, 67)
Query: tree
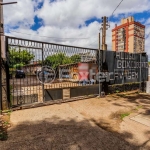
point(75, 58)
point(18, 58)
point(57, 59)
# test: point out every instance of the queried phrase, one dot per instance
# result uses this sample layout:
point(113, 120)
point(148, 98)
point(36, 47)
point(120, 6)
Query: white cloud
point(147, 22)
point(18, 14)
point(63, 17)
point(87, 36)
point(75, 12)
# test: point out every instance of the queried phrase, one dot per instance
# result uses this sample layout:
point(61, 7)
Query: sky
point(72, 22)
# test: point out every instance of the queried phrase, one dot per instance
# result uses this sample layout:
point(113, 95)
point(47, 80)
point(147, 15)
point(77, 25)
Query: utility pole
point(105, 26)
point(3, 94)
point(99, 59)
point(99, 68)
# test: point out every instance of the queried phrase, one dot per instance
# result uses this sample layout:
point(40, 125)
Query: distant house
point(87, 57)
point(31, 69)
point(71, 72)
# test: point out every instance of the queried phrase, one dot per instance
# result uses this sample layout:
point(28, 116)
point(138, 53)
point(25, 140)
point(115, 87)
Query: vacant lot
point(91, 124)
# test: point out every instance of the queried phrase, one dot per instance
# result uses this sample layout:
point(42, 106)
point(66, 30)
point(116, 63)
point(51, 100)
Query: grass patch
point(139, 107)
point(5, 121)
point(124, 115)
point(3, 136)
point(119, 115)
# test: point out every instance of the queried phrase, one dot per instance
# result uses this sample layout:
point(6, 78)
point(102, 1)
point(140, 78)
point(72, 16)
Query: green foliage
point(117, 91)
point(3, 136)
point(18, 66)
point(139, 107)
point(7, 111)
point(39, 61)
point(75, 58)
point(124, 115)
point(61, 59)
point(18, 58)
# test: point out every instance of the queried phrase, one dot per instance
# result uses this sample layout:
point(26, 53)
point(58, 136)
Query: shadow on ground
point(56, 134)
point(132, 97)
point(137, 99)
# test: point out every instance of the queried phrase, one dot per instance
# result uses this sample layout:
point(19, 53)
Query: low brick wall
point(116, 88)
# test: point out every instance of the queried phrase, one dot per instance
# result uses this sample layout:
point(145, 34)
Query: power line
point(56, 37)
point(47, 36)
point(93, 42)
point(116, 7)
point(148, 35)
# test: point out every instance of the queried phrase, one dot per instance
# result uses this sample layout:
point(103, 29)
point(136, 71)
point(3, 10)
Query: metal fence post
point(7, 72)
point(42, 72)
point(99, 64)
point(140, 73)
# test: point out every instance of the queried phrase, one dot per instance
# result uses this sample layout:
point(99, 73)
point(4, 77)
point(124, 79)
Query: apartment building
point(129, 36)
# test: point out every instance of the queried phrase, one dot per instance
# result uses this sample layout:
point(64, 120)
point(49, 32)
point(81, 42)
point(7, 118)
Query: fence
point(43, 72)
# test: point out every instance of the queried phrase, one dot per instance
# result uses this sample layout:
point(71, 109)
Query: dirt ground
point(91, 124)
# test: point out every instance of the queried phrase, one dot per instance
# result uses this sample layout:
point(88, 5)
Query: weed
point(124, 115)
point(91, 95)
point(120, 94)
point(119, 115)
point(3, 136)
point(138, 107)
point(6, 123)
point(7, 111)
point(117, 91)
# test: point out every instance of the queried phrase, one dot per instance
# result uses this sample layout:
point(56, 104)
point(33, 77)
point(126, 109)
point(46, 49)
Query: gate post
point(43, 95)
point(4, 89)
point(7, 72)
point(0, 84)
point(3, 78)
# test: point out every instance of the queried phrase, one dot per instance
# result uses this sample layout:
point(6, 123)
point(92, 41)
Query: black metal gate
point(41, 72)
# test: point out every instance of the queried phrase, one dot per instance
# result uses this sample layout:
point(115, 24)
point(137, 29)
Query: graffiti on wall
point(123, 67)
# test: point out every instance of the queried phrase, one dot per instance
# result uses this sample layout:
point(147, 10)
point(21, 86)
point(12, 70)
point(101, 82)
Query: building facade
point(88, 56)
point(129, 36)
